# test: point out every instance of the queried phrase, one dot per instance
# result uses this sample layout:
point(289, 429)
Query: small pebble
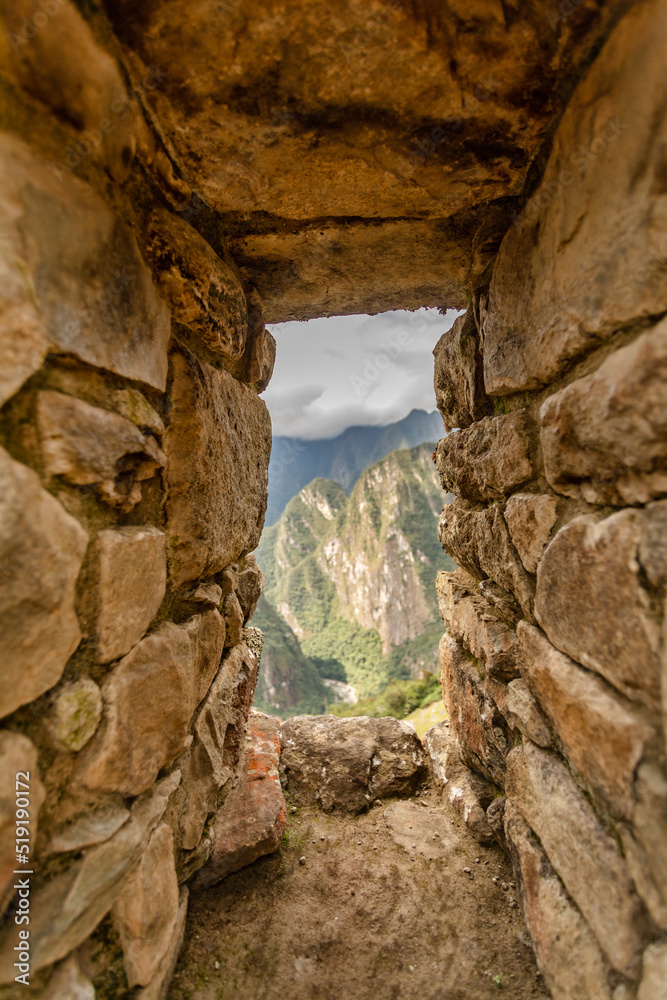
point(358, 843)
point(413, 846)
point(505, 886)
point(322, 838)
point(216, 965)
point(467, 871)
point(495, 880)
point(476, 861)
point(302, 861)
point(293, 809)
point(352, 893)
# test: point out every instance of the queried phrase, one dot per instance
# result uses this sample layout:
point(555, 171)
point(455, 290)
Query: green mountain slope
point(296, 462)
point(354, 578)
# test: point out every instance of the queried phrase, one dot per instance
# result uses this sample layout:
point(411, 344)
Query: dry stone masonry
point(553, 664)
point(170, 177)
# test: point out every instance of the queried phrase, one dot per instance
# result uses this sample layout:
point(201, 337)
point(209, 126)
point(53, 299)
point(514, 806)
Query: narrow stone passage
point(399, 902)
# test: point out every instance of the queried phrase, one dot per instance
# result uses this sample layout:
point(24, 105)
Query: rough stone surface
point(132, 571)
point(522, 711)
point(149, 699)
point(654, 973)
point(76, 714)
point(480, 542)
point(603, 737)
point(41, 551)
point(249, 585)
point(592, 606)
point(218, 444)
point(530, 518)
point(476, 720)
point(473, 621)
point(461, 787)
point(69, 983)
point(252, 819)
point(146, 908)
point(202, 290)
point(653, 543)
point(17, 754)
point(49, 213)
point(133, 404)
point(232, 612)
point(486, 461)
point(585, 857)
point(262, 360)
point(345, 764)
point(157, 989)
point(650, 823)
point(88, 829)
point(600, 189)
point(89, 446)
point(458, 374)
point(66, 909)
point(218, 740)
point(604, 437)
point(341, 188)
point(567, 953)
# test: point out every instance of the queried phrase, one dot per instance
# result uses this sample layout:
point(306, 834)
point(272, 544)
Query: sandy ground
point(382, 908)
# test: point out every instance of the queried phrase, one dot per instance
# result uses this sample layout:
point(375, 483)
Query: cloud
point(333, 373)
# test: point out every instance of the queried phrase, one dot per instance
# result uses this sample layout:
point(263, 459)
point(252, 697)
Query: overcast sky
point(333, 373)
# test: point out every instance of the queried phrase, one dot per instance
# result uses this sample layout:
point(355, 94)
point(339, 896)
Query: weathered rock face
point(346, 764)
point(218, 443)
point(252, 821)
point(289, 162)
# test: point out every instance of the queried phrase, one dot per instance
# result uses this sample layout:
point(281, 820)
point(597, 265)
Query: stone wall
point(133, 467)
point(553, 663)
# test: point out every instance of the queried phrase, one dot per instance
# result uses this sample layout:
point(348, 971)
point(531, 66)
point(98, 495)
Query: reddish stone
point(252, 819)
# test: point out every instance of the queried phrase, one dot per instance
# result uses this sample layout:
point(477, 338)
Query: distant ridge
point(296, 462)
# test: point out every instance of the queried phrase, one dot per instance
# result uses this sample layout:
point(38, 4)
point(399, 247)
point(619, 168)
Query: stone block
point(602, 735)
point(76, 714)
point(232, 613)
point(218, 444)
point(92, 827)
point(487, 460)
point(133, 404)
point(583, 854)
point(458, 377)
point(41, 551)
point(17, 754)
point(66, 909)
point(89, 446)
point(146, 908)
point(157, 989)
point(218, 741)
point(474, 622)
point(650, 824)
point(203, 291)
point(604, 437)
point(345, 764)
point(592, 606)
point(249, 586)
point(475, 718)
point(466, 793)
point(261, 356)
point(252, 819)
point(206, 593)
point(479, 541)
point(530, 518)
point(521, 710)
point(59, 229)
point(69, 983)
point(654, 973)
point(149, 699)
point(600, 189)
point(653, 543)
point(568, 956)
point(132, 578)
